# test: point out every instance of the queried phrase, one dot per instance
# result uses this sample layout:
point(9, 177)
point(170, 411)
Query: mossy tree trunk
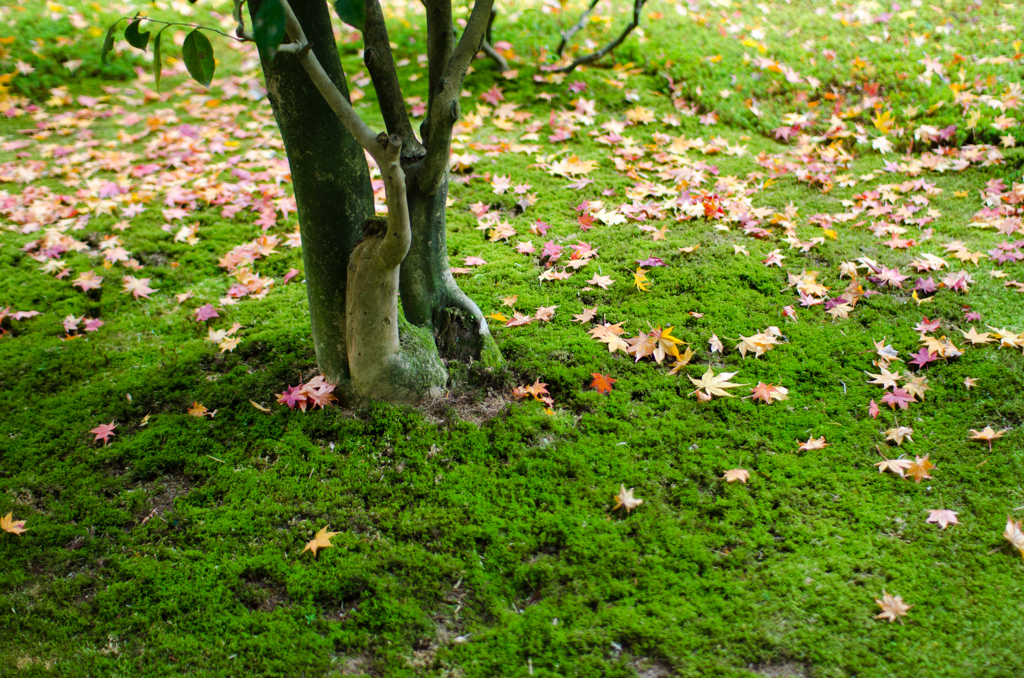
point(353, 277)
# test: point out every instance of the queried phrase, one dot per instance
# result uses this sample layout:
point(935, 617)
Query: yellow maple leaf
point(322, 540)
point(640, 280)
point(8, 524)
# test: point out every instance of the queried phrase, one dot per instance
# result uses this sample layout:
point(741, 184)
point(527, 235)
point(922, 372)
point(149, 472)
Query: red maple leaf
point(206, 312)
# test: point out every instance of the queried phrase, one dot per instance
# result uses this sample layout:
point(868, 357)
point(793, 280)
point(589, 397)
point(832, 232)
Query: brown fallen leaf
point(943, 517)
point(625, 499)
point(893, 607)
point(322, 540)
point(197, 409)
point(8, 524)
point(736, 474)
point(259, 407)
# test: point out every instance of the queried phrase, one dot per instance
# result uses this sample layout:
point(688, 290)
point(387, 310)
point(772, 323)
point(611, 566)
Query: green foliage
point(197, 52)
point(269, 27)
point(133, 36)
point(352, 12)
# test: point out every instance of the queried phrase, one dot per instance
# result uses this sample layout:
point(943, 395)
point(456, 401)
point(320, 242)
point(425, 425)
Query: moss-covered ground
point(488, 546)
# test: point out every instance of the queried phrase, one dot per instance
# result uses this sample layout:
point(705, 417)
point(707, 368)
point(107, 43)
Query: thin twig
point(246, 38)
point(567, 35)
point(638, 6)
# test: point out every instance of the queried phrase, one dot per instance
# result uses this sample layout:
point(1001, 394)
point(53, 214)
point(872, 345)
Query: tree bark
point(330, 177)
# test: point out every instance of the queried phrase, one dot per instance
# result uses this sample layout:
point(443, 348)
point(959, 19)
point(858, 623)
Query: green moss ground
point(491, 549)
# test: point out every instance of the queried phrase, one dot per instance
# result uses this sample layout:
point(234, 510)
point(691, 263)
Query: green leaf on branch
point(198, 55)
point(158, 65)
point(108, 42)
point(134, 38)
point(268, 27)
point(352, 12)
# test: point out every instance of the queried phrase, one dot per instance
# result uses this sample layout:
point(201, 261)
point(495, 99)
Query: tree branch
point(567, 35)
point(638, 6)
point(445, 111)
point(335, 99)
point(399, 236)
point(440, 43)
point(381, 65)
point(496, 55)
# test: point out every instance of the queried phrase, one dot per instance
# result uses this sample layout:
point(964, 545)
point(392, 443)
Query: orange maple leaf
point(602, 382)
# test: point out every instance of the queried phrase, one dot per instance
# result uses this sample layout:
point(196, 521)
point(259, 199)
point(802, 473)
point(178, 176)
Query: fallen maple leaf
point(602, 281)
point(7, 524)
point(898, 433)
point(897, 466)
point(715, 385)
point(873, 409)
point(104, 431)
point(205, 312)
point(943, 517)
point(1014, 534)
point(919, 469)
point(736, 474)
point(137, 287)
point(625, 499)
point(769, 393)
point(813, 444)
point(602, 382)
point(716, 344)
point(259, 407)
point(898, 398)
point(970, 382)
point(893, 607)
point(585, 317)
point(197, 409)
point(322, 540)
point(640, 280)
point(988, 435)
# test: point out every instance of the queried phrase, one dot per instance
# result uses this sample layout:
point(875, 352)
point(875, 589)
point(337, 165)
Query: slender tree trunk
point(330, 177)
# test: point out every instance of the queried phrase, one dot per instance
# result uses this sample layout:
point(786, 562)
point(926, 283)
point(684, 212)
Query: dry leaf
point(943, 517)
point(893, 607)
point(919, 469)
point(715, 385)
point(898, 434)
point(1014, 533)
point(7, 524)
point(737, 474)
point(322, 540)
point(813, 444)
point(987, 434)
point(625, 499)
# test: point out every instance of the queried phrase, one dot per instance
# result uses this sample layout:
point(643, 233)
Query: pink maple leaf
point(493, 95)
point(289, 275)
point(104, 431)
point(93, 324)
point(898, 398)
point(873, 409)
point(205, 312)
point(293, 396)
point(137, 287)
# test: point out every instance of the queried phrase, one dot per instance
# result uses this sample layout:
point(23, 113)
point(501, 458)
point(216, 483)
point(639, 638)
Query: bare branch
point(638, 6)
point(335, 99)
point(445, 111)
point(381, 65)
point(567, 35)
point(496, 55)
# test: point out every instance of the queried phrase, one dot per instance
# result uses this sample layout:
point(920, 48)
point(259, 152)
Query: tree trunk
point(330, 177)
point(431, 298)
